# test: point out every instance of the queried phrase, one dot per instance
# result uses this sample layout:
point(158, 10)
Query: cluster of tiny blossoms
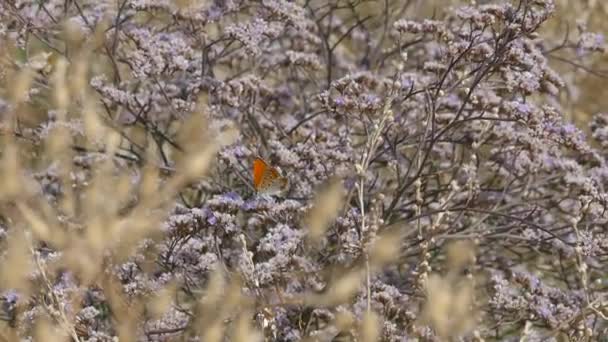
point(408, 133)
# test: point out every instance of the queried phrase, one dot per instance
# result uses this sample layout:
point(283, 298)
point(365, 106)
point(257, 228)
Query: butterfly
point(267, 179)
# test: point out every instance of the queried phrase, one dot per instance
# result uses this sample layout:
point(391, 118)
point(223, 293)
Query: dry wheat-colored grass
point(102, 223)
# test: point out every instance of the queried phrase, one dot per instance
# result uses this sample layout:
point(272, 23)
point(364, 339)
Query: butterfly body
point(267, 179)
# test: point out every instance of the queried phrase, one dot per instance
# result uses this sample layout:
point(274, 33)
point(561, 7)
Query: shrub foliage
point(436, 189)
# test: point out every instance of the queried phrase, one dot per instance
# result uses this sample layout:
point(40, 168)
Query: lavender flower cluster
point(436, 189)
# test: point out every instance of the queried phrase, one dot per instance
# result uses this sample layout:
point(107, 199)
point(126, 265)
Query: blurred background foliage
point(591, 95)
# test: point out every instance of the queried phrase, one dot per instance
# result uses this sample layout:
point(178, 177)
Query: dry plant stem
point(581, 263)
point(372, 144)
point(64, 321)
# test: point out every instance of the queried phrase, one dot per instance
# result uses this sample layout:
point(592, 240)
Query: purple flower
point(523, 108)
point(11, 296)
point(339, 101)
point(568, 129)
point(233, 196)
point(371, 99)
point(406, 82)
point(211, 219)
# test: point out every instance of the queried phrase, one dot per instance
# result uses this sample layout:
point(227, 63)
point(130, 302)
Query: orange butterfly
point(267, 179)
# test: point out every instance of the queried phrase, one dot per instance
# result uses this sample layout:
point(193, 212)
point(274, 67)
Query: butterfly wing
point(273, 182)
point(267, 179)
point(259, 169)
point(279, 184)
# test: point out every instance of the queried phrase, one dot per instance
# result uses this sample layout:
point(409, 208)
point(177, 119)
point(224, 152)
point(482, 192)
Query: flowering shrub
point(436, 189)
